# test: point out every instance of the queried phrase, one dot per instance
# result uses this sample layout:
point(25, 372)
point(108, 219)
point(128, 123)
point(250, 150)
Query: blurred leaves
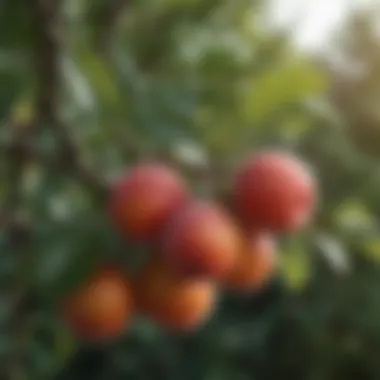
point(11, 84)
point(371, 248)
point(334, 252)
point(208, 83)
point(67, 251)
point(16, 24)
point(102, 82)
point(279, 87)
point(296, 265)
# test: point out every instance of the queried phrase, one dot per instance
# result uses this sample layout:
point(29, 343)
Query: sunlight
point(314, 21)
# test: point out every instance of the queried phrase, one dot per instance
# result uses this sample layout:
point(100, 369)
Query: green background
point(90, 87)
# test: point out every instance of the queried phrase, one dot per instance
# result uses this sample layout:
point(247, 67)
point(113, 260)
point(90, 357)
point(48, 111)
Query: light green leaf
point(371, 248)
point(353, 215)
point(280, 86)
point(100, 78)
point(295, 266)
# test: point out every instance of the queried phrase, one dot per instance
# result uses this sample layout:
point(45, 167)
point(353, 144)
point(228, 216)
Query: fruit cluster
point(198, 245)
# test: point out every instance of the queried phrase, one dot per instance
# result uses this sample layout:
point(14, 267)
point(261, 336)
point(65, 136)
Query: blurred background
point(89, 87)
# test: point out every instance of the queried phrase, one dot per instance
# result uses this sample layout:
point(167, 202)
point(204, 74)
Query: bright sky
point(313, 21)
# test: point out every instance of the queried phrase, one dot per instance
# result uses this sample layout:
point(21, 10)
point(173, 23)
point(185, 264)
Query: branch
point(47, 23)
point(27, 151)
point(49, 42)
point(18, 233)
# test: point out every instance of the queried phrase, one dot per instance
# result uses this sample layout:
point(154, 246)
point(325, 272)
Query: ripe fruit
point(142, 200)
point(254, 266)
point(200, 240)
point(274, 191)
point(173, 301)
point(100, 308)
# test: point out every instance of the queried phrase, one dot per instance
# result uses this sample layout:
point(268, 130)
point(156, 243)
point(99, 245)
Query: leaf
point(353, 215)
point(295, 266)
point(100, 78)
point(334, 252)
point(66, 252)
point(11, 83)
point(280, 86)
point(15, 21)
point(371, 248)
point(64, 345)
point(77, 85)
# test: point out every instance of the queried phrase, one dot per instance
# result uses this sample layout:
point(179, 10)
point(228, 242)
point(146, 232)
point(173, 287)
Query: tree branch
point(48, 50)
point(17, 232)
point(47, 22)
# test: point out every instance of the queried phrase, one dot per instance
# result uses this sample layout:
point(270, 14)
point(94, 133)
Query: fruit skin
point(143, 198)
point(274, 191)
point(201, 240)
point(100, 307)
point(254, 266)
point(174, 302)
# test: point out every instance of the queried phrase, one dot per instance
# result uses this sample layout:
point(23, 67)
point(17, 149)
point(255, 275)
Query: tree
point(89, 88)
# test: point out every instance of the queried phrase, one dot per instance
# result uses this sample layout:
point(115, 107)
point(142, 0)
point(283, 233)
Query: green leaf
point(77, 86)
point(333, 250)
point(280, 86)
point(295, 265)
point(100, 78)
point(67, 252)
point(353, 215)
point(371, 248)
point(11, 84)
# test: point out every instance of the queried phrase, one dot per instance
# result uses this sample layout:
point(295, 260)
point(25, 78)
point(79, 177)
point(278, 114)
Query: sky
point(313, 21)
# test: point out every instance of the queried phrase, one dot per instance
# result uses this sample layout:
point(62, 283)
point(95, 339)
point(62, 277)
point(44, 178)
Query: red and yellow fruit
point(274, 191)
point(101, 307)
point(142, 200)
point(254, 266)
point(200, 240)
point(173, 301)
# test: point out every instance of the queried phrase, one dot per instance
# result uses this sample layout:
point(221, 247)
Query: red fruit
point(100, 308)
point(274, 191)
point(254, 266)
point(201, 240)
point(143, 199)
point(173, 301)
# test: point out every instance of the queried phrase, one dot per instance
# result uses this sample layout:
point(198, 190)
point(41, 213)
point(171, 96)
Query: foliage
point(89, 87)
